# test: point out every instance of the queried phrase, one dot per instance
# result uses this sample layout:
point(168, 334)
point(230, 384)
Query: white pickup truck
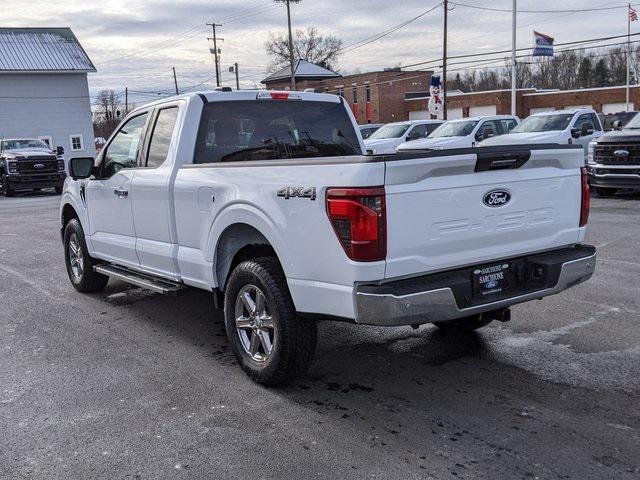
point(267, 200)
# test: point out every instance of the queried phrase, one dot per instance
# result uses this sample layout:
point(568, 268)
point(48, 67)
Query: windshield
point(21, 144)
point(392, 130)
point(454, 129)
point(544, 123)
point(237, 131)
point(633, 124)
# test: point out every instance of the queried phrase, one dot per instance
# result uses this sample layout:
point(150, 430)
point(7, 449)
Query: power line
point(365, 41)
point(566, 10)
point(428, 62)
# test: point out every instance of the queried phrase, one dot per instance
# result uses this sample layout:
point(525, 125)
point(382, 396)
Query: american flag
point(633, 15)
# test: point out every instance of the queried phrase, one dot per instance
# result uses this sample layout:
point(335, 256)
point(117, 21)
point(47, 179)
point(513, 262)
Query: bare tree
point(109, 112)
point(308, 45)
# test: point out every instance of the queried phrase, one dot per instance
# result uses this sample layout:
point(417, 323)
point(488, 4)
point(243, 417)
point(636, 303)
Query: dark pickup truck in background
point(613, 160)
point(30, 164)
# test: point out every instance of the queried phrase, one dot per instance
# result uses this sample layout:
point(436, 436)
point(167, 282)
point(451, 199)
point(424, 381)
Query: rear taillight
point(359, 219)
point(586, 198)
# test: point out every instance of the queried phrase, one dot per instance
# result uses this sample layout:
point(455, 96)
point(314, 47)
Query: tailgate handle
point(501, 160)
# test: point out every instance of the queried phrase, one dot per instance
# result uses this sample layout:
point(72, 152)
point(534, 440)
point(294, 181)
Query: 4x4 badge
point(299, 192)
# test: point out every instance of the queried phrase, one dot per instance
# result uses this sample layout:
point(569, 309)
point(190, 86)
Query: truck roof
point(571, 111)
point(221, 96)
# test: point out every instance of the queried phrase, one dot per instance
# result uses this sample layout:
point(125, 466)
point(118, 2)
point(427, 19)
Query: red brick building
point(529, 101)
point(374, 97)
point(394, 95)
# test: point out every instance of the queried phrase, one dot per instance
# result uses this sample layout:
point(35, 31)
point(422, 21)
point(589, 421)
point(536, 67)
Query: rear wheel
point(79, 263)
point(466, 324)
point(605, 192)
point(271, 343)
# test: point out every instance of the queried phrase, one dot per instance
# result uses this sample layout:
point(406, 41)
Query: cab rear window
point(239, 131)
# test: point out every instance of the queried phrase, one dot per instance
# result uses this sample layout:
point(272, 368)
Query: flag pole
point(628, 52)
point(513, 61)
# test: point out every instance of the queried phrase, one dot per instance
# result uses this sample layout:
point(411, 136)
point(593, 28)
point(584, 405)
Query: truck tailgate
point(466, 207)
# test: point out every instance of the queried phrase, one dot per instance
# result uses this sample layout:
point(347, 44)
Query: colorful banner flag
point(544, 45)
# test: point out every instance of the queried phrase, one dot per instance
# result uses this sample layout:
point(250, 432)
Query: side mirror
point(414, 136)
point(617, 125)
point(575, 133)
point(81, 167)
point(587, 129)
point(59, 150)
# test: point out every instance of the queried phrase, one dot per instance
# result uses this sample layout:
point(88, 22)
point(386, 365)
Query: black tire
point(58, 190)
point(292, 339)
point(605, 192)
point(466, 324)
point(8, 192)
point(84, 279)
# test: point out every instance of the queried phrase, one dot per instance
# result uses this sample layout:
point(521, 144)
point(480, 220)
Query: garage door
point(453, 113)
point(616, 107)
point(420, 115)
point(482, 111)
point(540, 110)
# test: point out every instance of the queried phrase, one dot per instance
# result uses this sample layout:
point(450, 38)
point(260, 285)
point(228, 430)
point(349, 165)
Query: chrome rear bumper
point(437, 305)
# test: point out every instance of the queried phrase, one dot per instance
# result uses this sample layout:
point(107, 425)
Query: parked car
point(30, 164)
point(294, 223)
point(463, 133)
point(613, 160)
point(615, 121)
point(579, 126)
point(387, 138)
point(368, 129)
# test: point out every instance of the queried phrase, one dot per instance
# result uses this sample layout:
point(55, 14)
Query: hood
point(526, 137)
point(437, 143)
point(616, 136)
point(29, 152)
point(382, 145)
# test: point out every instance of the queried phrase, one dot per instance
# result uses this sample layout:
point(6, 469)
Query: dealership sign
point(544, 45)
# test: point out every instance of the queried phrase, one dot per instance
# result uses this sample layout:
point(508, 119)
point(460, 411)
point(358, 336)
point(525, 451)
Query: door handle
point(121, 193)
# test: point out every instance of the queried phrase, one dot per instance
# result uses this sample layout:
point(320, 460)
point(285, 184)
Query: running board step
point(155, 284)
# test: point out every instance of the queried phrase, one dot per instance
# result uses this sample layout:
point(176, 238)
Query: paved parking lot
point(129, 384)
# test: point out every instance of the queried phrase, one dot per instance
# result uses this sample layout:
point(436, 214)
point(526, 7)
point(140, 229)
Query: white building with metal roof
point(43, 88)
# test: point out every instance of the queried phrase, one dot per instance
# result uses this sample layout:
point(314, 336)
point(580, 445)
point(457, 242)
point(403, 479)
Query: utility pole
point(445, 3)
point(215, 39)
point(291, 59)
point(235, 69)
point(175, 80)
point(513, 61)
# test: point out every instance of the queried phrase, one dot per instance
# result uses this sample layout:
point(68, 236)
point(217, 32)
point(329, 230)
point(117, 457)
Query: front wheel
point(79, 263)
point(8, 191)
point(605, 192)
point(271, 343)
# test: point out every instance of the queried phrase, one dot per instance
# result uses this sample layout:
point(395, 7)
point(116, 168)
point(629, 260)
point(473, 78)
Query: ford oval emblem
point(491, 284)
point(38, 165)
point(496, 198)
point(621, 153)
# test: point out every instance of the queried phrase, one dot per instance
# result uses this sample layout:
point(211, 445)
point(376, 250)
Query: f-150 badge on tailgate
point(299, 192)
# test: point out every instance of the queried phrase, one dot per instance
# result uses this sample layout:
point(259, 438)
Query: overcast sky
point(135, 43)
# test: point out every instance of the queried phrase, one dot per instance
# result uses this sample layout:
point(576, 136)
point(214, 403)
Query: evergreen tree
point(585, 74)
point(601, 74)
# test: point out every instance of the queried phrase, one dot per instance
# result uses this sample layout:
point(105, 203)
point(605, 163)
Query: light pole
point(291, 60)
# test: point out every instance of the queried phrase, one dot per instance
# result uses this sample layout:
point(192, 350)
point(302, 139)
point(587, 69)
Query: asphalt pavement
point(130, 384)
